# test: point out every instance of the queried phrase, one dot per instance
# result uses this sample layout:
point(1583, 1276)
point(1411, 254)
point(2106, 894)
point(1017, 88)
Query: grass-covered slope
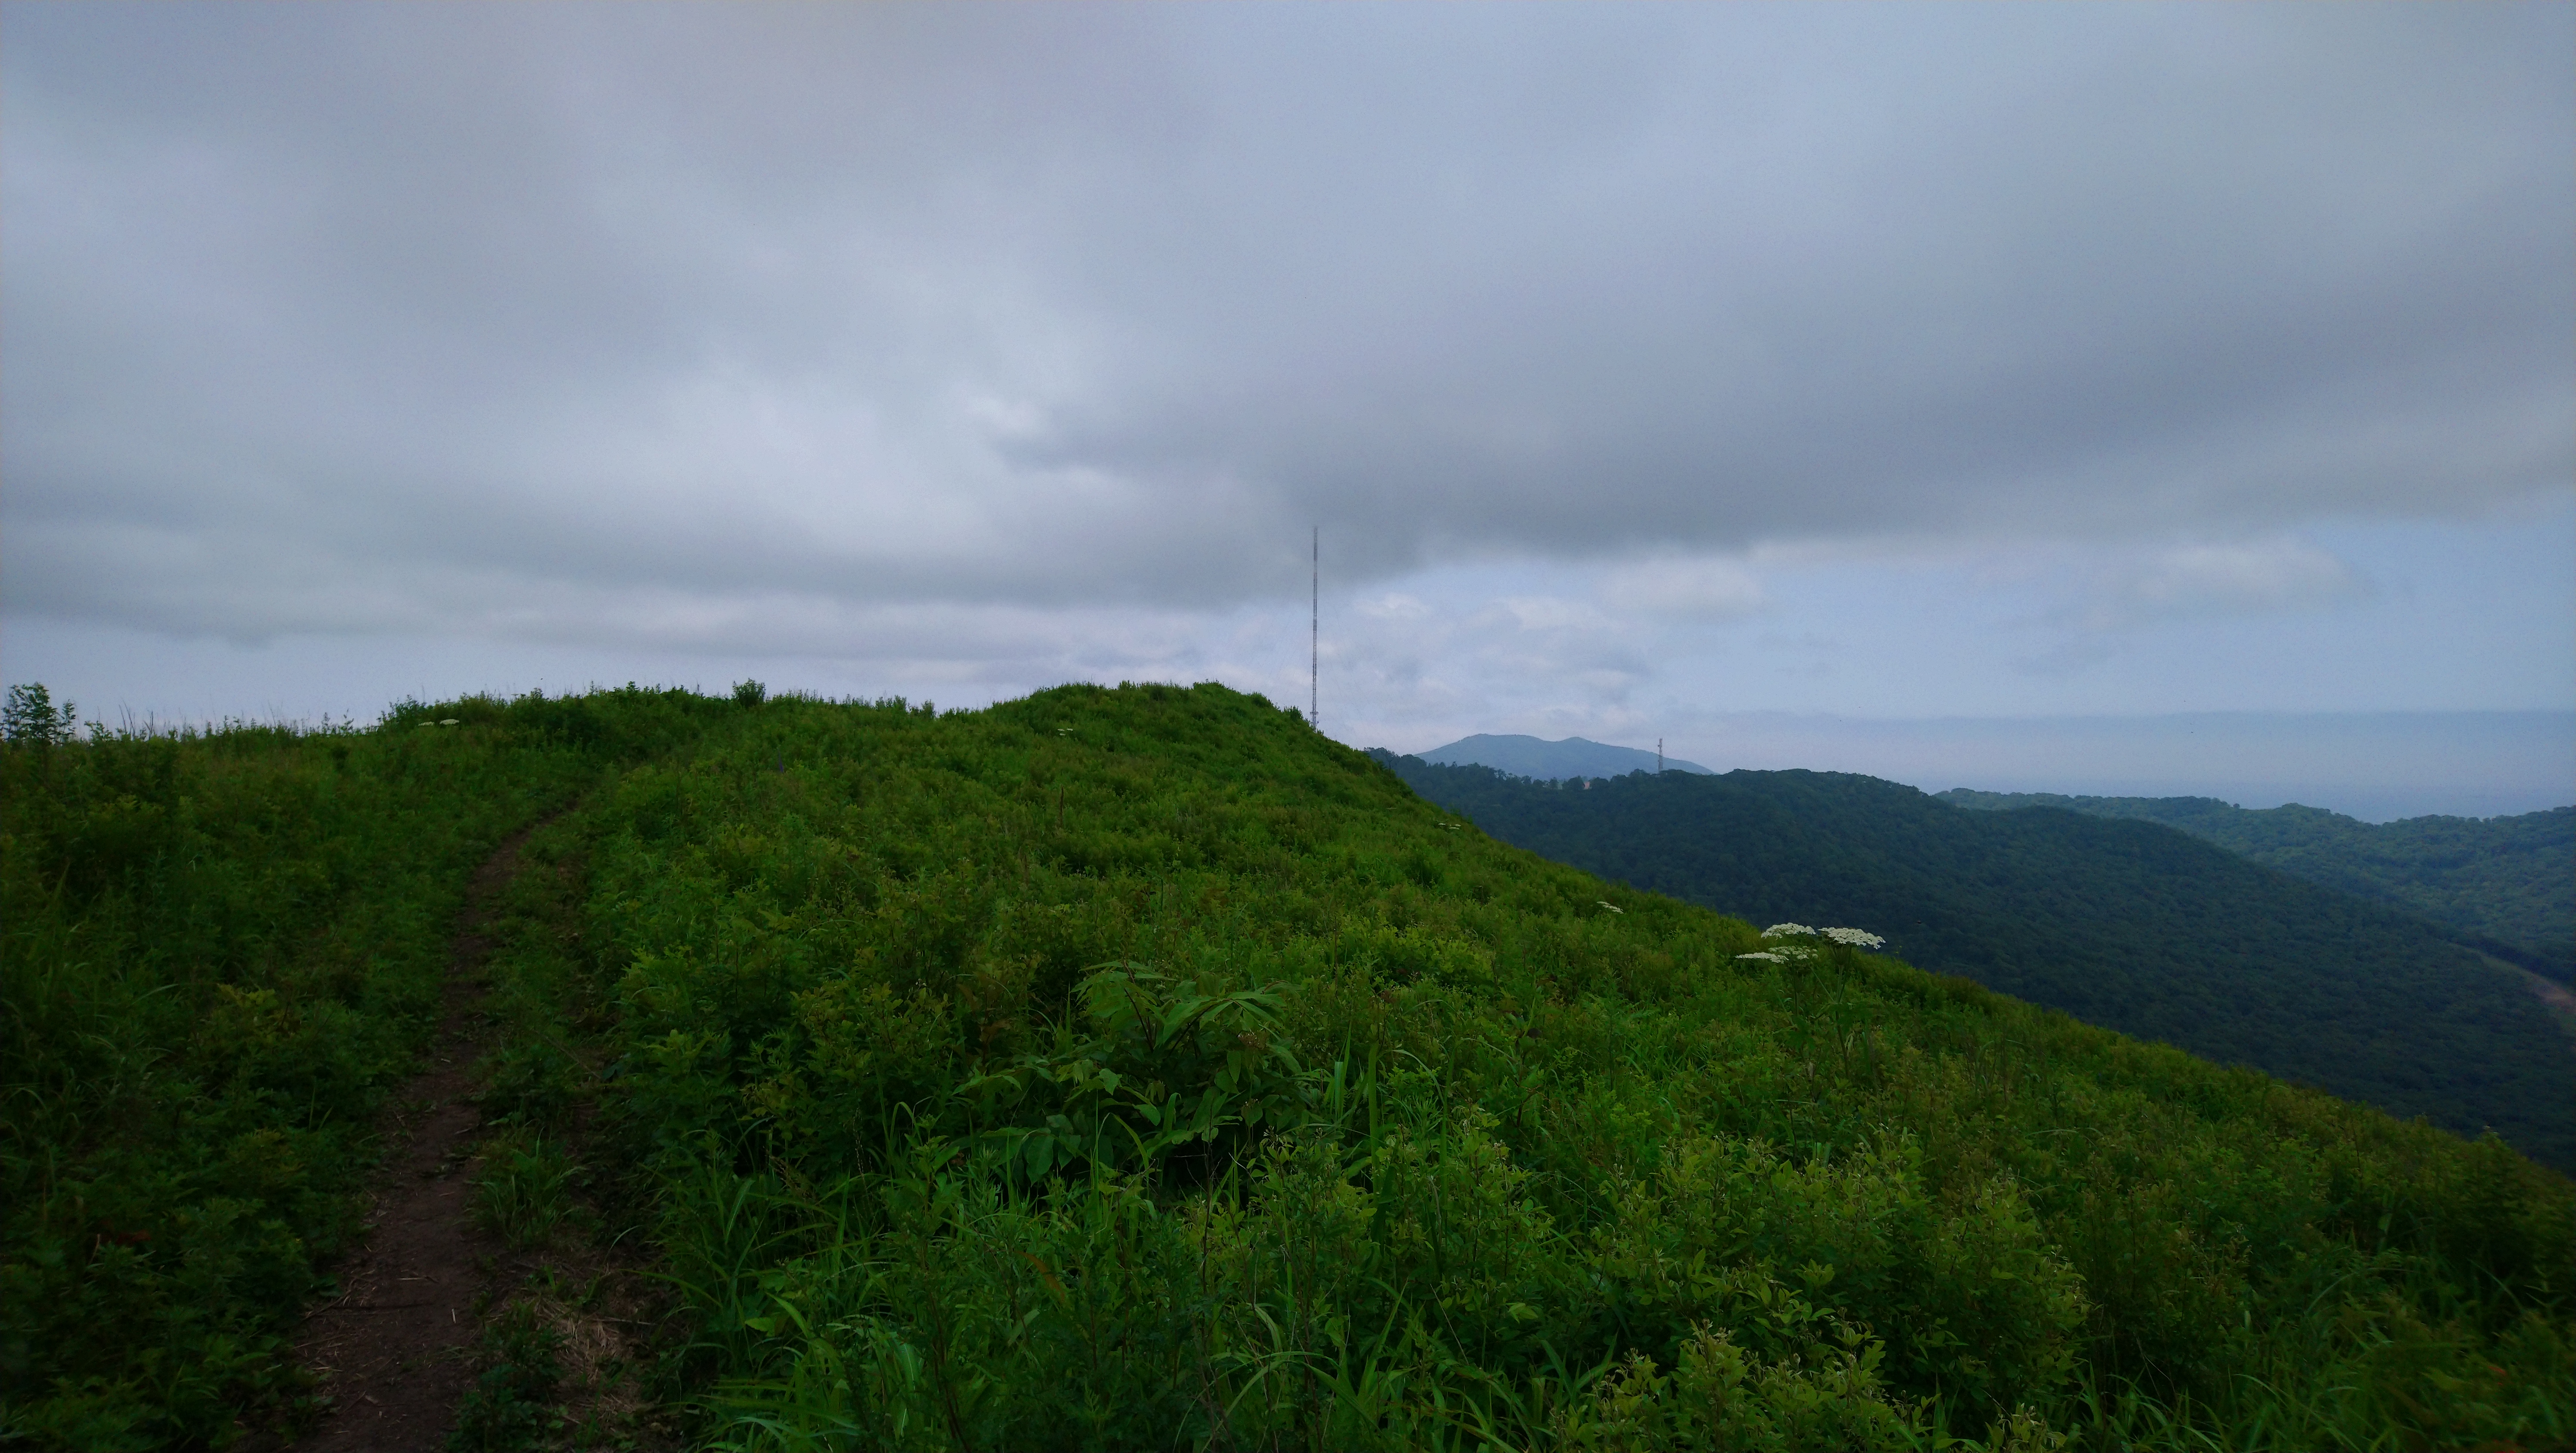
point(217, 950)
point(1138, 1069)
point(2506, 885)
point(2126, 924)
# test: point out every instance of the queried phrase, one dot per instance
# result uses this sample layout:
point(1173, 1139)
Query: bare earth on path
point(393, 1351)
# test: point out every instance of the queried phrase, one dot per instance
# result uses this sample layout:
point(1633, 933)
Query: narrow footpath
point(393, 1351)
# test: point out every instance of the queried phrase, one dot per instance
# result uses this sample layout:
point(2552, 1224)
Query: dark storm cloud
point(507, 318)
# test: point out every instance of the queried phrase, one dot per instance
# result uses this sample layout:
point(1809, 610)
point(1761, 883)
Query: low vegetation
point(218, 950)
point(1137, 1068)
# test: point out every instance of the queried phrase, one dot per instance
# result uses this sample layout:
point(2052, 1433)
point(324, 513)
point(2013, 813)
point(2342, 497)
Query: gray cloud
point(686, 324)
point(2235, 578)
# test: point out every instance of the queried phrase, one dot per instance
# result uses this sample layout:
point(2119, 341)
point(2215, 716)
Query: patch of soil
point(392, 1352)
point(2553, 994)
point(2562, 1005)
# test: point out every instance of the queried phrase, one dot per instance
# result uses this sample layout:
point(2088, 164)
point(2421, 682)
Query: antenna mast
point(1659, 756)
point(1315, 632)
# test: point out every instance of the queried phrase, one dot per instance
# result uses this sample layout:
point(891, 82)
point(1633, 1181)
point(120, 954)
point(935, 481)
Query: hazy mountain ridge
point(1547, 761)
point(2133, 925)
point(2504, 885)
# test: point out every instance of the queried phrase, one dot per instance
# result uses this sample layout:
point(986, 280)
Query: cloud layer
point(775, 328)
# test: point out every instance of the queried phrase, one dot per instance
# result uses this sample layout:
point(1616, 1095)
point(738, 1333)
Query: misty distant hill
point(1552, 761)
point(2132, 925)
point(2507, 885)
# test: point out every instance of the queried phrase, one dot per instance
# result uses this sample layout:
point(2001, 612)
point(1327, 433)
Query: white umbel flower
point(1787, 930)
point(1856, 938)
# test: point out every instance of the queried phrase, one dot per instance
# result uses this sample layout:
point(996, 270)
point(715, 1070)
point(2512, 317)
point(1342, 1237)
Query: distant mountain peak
point(1552, 761)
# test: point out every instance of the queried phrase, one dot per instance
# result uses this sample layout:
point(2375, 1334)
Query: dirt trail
point(392, 1351)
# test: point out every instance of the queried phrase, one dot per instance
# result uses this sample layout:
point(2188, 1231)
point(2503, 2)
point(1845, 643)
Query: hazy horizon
point(2377, 767)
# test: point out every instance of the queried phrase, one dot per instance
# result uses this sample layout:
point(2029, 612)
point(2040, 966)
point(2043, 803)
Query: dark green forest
point(2127, 924)
point(2504, 885)
point(1137, 1068)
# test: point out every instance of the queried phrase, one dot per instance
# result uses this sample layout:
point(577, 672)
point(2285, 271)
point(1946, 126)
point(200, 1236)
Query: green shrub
point(523, 1188)
point(510, 1406)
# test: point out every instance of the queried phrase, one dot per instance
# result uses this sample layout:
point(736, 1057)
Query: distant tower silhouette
point(1315, 634)
point(1659, 756)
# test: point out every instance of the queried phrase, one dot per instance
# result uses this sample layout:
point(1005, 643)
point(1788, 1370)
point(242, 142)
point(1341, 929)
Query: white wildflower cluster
point(1784, 952)
point(1613, 907)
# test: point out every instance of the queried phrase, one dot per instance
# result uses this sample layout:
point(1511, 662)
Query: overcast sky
point(1641, 366)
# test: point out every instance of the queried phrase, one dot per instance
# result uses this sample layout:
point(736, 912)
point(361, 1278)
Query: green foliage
point(32, 719)
point(2125, 924)
point(1137, 1068)
point(2503, 885)
point(217, 951)
point(523, 1190)
point(510, 1408)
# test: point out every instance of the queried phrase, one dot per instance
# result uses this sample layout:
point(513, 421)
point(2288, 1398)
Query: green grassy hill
point(2504, 885)
point(1137, 1068)
point(2130, 925)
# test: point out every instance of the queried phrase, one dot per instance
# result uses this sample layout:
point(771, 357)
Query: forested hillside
point(2126, 924)
point(1138, 1068)
point(2505, 885)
